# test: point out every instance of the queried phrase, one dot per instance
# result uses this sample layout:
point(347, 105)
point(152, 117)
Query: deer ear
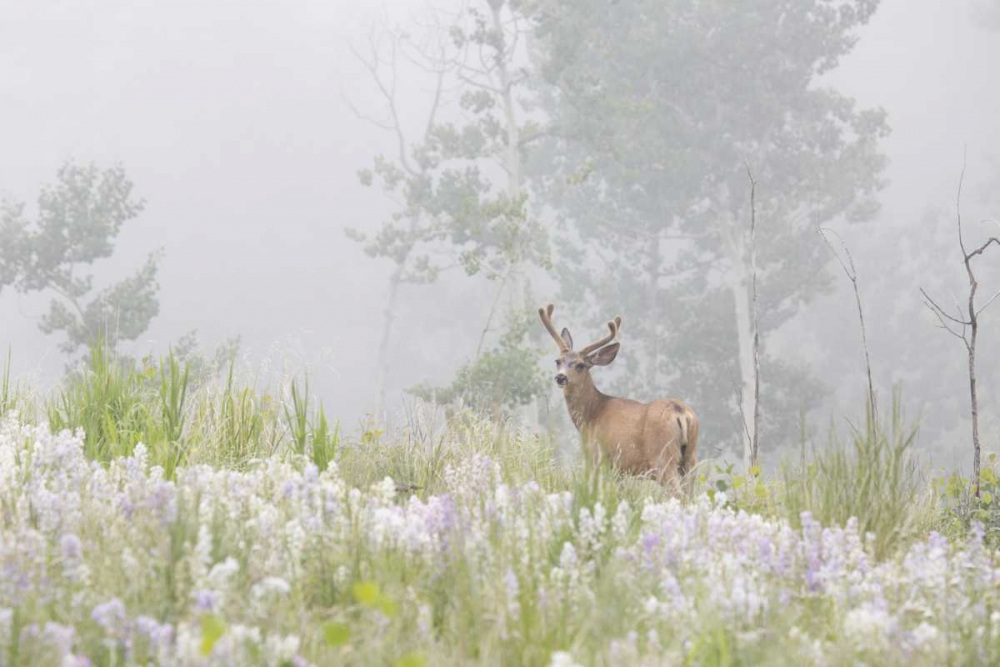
point(604, 356)
point(567, 338)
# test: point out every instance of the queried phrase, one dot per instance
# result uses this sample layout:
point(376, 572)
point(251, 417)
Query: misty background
point(240, 126)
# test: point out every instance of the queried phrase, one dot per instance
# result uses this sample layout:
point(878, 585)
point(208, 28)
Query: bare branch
point(958, 206)
point(381, 124)
point(988, 302)
point(852, 274)
point(932, 304)
point(980, 249)
point(934, 308)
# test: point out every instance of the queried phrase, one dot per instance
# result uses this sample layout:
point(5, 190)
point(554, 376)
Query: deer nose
point(561, 379)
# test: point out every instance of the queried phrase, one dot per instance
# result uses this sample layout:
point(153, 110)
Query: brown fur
point(659, 439)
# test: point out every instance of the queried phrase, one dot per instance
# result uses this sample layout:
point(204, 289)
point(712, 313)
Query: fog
point(238, 124)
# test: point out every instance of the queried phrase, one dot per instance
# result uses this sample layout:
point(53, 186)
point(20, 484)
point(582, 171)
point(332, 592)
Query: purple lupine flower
point(70, 546)
point(157, 634)
point(205, 600)
point(163, 502)
point(311, 473)
point(59, 636)
point(110, 616)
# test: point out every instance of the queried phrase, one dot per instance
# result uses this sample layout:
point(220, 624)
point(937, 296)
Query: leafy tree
point(657, 109)
point(459, 187)
point(79, 219)
point(499, 380)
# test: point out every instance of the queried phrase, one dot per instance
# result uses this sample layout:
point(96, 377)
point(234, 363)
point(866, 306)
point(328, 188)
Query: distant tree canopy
point(657, 109)
point(458, 185)
point(78, 222)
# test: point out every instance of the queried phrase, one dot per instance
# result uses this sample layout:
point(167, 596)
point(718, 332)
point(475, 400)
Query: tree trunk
point(512, 159)
point(975, 406)
point(389, 316)
point(652, 313)
point(744, 337)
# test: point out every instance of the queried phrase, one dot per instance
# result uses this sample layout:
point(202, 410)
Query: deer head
point(573, 367)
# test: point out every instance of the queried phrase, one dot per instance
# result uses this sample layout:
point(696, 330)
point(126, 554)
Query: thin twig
point(852, 274)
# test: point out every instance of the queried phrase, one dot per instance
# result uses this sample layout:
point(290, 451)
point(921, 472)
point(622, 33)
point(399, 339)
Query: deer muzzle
point(562, 380)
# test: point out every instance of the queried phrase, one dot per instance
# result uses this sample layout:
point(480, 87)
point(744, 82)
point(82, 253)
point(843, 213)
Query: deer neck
point(584, 401)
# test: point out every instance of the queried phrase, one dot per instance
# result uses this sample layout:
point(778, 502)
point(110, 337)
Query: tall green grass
point(872, 476)
point(119, 402)
point(6, 393)
point(109, 400)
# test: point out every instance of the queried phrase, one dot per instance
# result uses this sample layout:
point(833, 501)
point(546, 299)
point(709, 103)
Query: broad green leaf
point(412, 660)
point(212, 629)
point(336, 634)
point(367, 593)
point(387, 606)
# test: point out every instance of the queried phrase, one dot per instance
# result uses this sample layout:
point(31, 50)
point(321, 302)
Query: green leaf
point(412, 660)
point(212, 629)
point(986, 497)
point(367, 593)
point(336, 634)
point(387, 606)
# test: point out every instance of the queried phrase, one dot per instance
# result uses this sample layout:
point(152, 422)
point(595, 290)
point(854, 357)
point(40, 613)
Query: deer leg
point(670, 480)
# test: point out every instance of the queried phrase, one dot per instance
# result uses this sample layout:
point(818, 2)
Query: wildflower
point(110, 616)
point(270, 586)
point(205, 600)
point(562, 659)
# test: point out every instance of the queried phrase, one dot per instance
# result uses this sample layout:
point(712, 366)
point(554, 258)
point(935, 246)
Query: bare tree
point(754, 440)
point(852, 274)
point(965, 326)
point(406, 237)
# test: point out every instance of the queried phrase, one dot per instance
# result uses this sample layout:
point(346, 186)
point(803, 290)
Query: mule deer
point(659, 439)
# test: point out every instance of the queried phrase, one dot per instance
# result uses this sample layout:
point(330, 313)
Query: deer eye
point(581, 367)
point(558, 362)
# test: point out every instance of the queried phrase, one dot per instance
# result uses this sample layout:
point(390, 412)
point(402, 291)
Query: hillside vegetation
point(173, 520)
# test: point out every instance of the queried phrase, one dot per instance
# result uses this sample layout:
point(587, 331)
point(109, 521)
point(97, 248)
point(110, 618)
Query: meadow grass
point(148, 516)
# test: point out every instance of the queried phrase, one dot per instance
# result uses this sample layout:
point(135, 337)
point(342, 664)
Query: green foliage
point(6, 393)
point(450, 204)
point(874, 478)
point(79, 219)
point(336, 634)
point(655, 116)
point(110, 401)
point(368, 594)
point(453, 206)
point(499, 380)
point(204, 367)
point(212, 629)
point(748, 491)
point(962, 508)
point(310, 431)
point(353, 603)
